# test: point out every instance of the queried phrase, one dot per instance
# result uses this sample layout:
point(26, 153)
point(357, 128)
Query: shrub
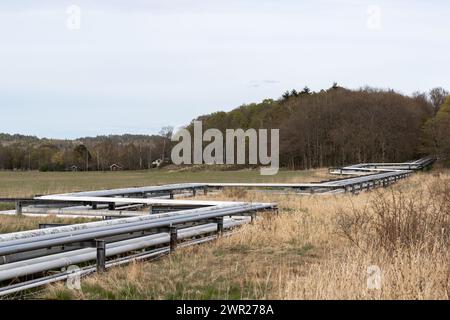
point(400, 219)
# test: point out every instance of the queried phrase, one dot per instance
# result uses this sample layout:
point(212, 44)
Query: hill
point(337, 126)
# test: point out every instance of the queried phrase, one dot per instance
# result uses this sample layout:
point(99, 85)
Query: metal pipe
point(32, 266)
point(89, 270)
point(39, 243)
point(183, 233)
point(91, 225)
point(151, 201)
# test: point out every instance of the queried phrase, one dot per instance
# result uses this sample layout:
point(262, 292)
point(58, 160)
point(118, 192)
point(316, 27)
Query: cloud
point(261, 83)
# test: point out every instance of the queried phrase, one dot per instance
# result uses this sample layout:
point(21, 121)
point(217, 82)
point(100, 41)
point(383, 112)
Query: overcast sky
point(134, 66)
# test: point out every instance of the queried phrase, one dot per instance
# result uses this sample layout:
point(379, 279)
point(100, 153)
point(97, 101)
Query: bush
point(398, 219)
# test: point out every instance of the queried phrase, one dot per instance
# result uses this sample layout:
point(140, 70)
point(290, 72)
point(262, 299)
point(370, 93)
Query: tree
point(286, 96)
point(82, 156)
point(58, 161)
point(437, 97)
point(166, 133)
point(437, 133)
point(305, 91)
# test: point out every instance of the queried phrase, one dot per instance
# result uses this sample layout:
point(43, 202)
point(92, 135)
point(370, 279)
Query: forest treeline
point(332, 127)
point(128, 152)
point(338, 126)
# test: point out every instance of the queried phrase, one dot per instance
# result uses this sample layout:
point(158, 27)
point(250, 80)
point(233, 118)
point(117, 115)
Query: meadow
point(30, 183)
point(15, 184)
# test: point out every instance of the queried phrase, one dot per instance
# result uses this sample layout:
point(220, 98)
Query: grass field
point(30, 183)
point(26, 184)
point(318, 247)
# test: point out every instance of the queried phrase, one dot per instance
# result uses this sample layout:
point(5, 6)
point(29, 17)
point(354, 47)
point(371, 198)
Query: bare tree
point(166, 133)
point(437, 97)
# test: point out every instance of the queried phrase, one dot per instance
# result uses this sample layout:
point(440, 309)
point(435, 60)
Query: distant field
point(26, 184)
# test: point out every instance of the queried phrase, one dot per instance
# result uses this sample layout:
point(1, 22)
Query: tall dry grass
point(398, 219)
point(404, 231)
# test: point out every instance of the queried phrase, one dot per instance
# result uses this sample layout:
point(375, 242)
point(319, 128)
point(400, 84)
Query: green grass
point(26, 184)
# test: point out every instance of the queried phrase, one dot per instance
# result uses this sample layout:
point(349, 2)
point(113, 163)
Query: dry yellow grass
point(15, 223)
point(299, 254)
